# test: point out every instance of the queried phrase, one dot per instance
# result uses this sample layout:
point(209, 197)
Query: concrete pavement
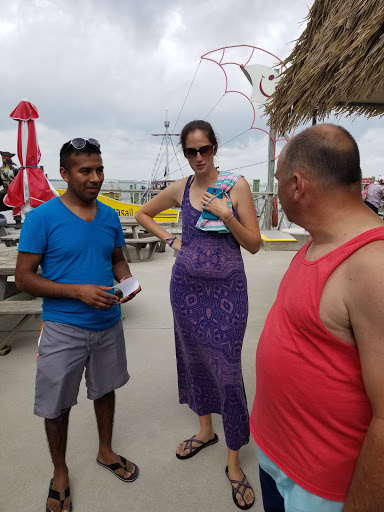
point(149, 422)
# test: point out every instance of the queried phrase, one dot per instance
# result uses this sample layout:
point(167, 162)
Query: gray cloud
point(109, 70)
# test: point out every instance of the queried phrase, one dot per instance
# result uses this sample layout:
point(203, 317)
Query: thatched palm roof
point(336, 65)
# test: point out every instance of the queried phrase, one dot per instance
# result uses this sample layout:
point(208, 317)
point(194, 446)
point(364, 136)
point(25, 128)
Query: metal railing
point(140, 196)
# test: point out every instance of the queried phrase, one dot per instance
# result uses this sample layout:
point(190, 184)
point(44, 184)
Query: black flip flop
point(56, 495)
point(236, 490)
point(193, 450)
point(117, 465)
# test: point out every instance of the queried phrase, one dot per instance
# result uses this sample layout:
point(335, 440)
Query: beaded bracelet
point(172, 240)
point(230, 218)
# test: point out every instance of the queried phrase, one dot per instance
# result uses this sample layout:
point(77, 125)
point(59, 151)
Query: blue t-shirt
point(77, 252)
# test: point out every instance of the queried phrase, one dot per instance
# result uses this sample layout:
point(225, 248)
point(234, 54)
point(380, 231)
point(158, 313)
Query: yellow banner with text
point(130, 209)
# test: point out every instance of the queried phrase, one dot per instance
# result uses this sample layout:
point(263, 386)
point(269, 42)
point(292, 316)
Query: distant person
point(209, 296)
point(78, 242)
point(318, 415)
point(8, 172)
point(374, 195)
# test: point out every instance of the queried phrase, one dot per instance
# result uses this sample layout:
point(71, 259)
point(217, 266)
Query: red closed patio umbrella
point(30, 188)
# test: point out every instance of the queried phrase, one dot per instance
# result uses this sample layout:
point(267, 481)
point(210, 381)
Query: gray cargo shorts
point(64, 352)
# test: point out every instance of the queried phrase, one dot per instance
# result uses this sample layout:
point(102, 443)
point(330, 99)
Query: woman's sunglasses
point(80, 143)
point(204, 151)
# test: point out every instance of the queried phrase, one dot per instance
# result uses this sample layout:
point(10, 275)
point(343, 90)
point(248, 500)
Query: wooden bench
point(13, 306)
point(139, 244)
point(160, 247)
point(10, 240)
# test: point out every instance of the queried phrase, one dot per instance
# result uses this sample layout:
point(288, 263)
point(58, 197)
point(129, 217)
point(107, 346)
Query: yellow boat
point(130, 209)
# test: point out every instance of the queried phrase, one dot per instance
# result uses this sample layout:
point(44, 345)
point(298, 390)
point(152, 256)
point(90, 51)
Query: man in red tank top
point(318, 415)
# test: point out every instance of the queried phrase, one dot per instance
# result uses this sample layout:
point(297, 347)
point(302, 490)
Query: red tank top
point(311, 410)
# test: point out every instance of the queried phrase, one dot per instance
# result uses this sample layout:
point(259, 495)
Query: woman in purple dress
point(209, 297)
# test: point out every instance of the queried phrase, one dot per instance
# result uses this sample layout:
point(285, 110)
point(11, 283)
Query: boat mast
point(166, 124)
point(166, 135)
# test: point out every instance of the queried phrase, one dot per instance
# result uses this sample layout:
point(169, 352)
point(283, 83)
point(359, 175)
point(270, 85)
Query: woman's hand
point(217, 206)
point(177, 245)
point(174, 243)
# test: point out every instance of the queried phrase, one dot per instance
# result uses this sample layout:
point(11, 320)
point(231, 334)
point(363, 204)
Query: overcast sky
point(110, 70)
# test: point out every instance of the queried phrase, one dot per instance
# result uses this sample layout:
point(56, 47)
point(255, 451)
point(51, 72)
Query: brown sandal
point(58, 496)
point(236, 490)
point(117, 465)
point(195, 449)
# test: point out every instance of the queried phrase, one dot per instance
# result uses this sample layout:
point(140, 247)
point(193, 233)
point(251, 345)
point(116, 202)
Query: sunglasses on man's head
point(80, 143)
point(204, 151)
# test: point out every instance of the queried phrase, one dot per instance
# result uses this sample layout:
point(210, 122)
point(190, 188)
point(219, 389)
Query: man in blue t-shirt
point(78, 242)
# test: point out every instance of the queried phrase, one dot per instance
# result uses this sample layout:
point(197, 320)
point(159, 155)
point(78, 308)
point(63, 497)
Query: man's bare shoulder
point(353, 291)
point(361, 271)
point(363, 274)
point(370, 255)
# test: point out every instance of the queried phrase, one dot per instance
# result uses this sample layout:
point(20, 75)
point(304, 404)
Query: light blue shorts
point(296, 499)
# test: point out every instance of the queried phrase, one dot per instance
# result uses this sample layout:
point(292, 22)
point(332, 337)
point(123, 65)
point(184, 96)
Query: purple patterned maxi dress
point(210, 309)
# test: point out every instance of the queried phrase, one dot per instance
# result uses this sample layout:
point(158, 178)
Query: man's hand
point(97, 296)
point(131, 296)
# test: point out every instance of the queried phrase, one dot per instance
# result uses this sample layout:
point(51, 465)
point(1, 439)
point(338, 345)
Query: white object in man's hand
point(128, 287)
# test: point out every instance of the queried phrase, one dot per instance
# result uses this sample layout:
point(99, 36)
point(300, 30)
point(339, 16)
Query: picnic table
point(20, 303)
point(130, 225)
point(139, 240)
